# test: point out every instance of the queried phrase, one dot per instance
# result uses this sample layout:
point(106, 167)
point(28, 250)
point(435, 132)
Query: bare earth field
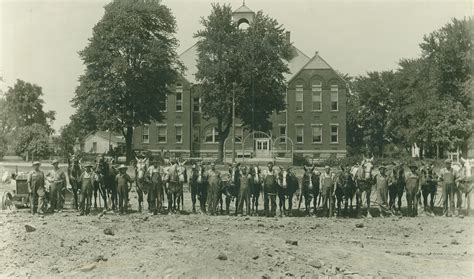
point(201, 246)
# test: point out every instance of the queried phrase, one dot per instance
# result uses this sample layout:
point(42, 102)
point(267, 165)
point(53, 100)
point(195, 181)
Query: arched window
point(334, 97)
point(299, 96)
point(316, 94)
point(211, 135)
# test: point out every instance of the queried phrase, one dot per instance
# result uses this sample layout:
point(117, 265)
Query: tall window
point(334, 134)
point(179, 97)
point(164, 104)
point(239, 134)
point(317, 93)
point(196, 134)
point(317, 133)
point(146, 134)
point(299, 97)
point(211, 135)
point(179, 134)
point(197, 104)
point(282, 133)
point(299, 134)
point(162, 132)
point(334, 97)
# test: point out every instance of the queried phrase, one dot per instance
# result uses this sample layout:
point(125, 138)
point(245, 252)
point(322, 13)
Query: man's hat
point(270, 163)
point(122, 166)
point(88, 165)
point(327, 167)
point(36, 163)
point(54, 162)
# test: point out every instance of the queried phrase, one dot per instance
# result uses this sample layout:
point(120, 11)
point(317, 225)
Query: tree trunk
point(220, 151)
point(128, 144)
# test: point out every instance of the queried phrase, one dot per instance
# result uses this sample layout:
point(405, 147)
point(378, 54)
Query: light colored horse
point(140, 171)
point(364, 180)
point(467, 184)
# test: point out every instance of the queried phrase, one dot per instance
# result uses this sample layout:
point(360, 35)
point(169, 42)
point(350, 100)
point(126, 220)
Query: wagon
point(19, 197)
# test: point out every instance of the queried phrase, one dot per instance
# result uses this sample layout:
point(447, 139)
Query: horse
point(465, 184)
point(255, 188)
point(140, 183)
point(428, 183)
point(155, 192)
point(198, 188)
point(309, 189)
point(104, 182)
point(175, 178)
point(345, 190)
point(396, 187)
point(230, 189)
point(74, 172)
point(287, 187)
point(412, 190)
point(364, 181)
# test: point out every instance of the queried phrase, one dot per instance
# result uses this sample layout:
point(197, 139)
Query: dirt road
point(201, 246)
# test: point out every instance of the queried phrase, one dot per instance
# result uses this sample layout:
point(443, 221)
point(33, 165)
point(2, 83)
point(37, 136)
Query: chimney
point(287, 35)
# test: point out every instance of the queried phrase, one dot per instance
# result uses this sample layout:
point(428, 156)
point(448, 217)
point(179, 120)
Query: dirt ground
point(201, 246)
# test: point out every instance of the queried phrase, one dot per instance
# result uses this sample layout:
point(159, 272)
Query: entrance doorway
point(262, 148)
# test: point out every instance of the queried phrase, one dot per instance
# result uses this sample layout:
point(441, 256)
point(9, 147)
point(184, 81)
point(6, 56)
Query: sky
point(39, 40)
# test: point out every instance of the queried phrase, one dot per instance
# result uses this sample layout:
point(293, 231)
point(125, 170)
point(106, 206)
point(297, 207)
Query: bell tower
point(243, 15)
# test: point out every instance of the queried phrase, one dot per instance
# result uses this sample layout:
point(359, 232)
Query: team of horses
point(352, 186)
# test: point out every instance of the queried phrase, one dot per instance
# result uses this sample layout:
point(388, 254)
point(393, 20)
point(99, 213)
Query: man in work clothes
point(270, 190)
point(244, 191)
point(382, 191)
point(57, 182)
point(214, 180)
point(463, 183)
point(326, 182)
point(87, 181)
point(447, 178)
point(124, 184)
point(36, 187)
point(155, 190)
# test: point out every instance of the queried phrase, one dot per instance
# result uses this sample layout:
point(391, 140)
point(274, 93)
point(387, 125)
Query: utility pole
point(233, 121)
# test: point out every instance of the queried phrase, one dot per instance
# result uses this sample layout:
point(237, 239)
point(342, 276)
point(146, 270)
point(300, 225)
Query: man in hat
point(124, 184)
point(213, 178)
point(57, 182)
point(270, 190)
point(447, 178)
point(35, 183)
point(87, 180)
point(244, 191)
point(326, 182)
point(463, 182)
point(382, 191)
point(155, 190)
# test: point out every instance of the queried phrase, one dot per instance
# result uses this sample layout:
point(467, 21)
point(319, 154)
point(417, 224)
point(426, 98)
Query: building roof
point(112, 136)
point(243, 9)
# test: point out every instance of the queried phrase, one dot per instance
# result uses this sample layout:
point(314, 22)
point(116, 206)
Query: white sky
point(40, 39)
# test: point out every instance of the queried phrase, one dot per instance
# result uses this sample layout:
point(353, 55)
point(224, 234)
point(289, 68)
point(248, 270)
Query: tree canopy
point(427, 101)
point(251, 61)
point(131, 63)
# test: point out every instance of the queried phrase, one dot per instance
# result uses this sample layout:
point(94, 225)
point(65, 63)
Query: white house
point(102, 141)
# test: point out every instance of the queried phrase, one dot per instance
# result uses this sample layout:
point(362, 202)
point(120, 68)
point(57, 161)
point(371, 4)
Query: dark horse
point(198, 188)
point(287, 187)
point(255, 188)
point(364, 181)
point(74, 173)
point(230, 188)
point(428, 183)
point(345, 190)
point(105, 184)
point(309, 189)
point(396, 187)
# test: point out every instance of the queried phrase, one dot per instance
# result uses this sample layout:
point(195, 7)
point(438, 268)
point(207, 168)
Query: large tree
point(252, 62)
point(33, 140)
point(131, 63)
point(24, 106)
